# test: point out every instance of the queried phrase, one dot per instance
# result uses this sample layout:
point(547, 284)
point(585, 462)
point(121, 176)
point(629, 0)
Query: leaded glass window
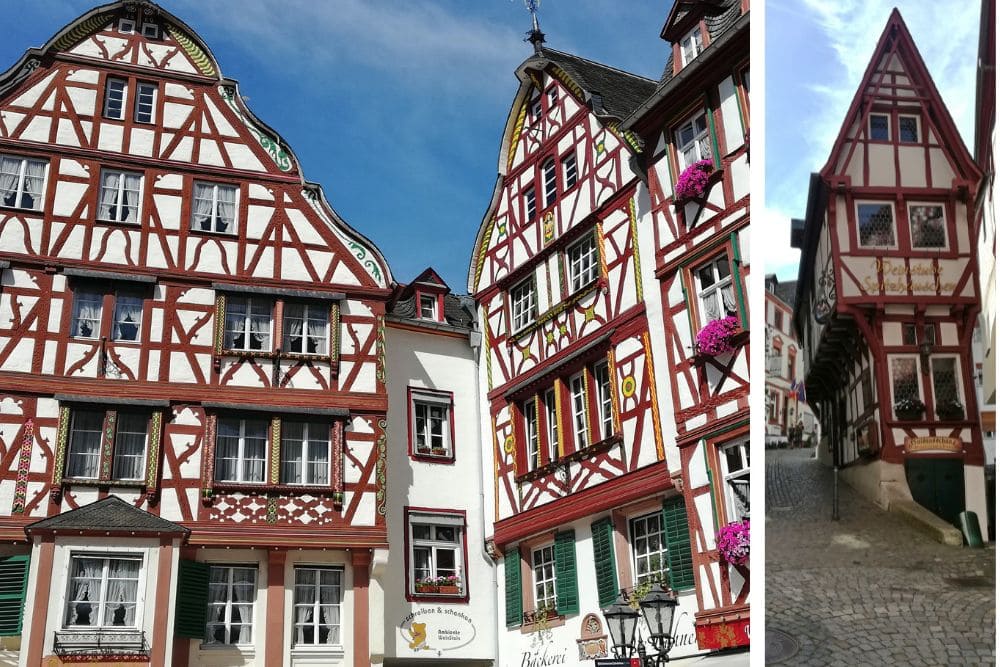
point(876, 226)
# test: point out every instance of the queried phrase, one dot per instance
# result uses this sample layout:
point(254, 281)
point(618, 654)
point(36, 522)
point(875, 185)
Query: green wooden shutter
point(567, 597)
point(675, 532)
point(602, 535)
point(512, 582)
point(192, 599)
point(13, 583)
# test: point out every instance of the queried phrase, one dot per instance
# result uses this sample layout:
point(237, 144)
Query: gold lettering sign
point(898, 278)
point(932, 443)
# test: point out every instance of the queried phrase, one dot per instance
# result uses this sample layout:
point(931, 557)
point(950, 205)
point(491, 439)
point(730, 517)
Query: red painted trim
point(275, 622)
point(600, 498)
point(412, 393)
point(43, 586)
point(359, 562)
point(164, 566)
point(412, 596)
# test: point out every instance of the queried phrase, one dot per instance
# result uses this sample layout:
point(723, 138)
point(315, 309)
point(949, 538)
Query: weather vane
point(535, 36)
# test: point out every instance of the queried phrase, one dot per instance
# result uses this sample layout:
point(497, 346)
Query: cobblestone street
point(869, 589)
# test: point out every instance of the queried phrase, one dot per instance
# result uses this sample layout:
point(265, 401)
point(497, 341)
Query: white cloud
point(780, 257)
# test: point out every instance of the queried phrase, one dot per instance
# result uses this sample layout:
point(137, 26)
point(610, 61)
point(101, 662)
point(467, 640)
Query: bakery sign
point(932, 444)
point(899, 277)
point(436, 630)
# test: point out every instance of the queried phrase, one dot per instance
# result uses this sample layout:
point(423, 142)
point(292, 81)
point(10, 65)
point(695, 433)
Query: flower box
point(427, 588)
point(694, 181)
point(909, 409)
point(449, 590)
point(439, 451)
point(733, 542)
point(950, 410)
point(718, 337)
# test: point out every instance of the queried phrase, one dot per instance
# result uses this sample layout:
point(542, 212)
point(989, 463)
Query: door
point(938, 485)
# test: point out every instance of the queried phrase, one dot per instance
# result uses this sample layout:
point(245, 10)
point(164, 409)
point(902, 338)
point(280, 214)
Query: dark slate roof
point(785, 290)
point(614, 92)
point(717, 20)
point(458, 310)
point(108, 514)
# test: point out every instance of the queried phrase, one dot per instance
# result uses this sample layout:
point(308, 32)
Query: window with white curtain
point(735, 461)
point(305, 452)
point(307, 328)
point(87, 308)
point(692, 141)
point(103, 592)
point(21, 182)
point(714, 282)
point(578, 399)
point(241, 450)
point(214, 208)
point(317, 606)
point(128, 432)
point(436, 553)
point(248, 324)
point(232, 592)
point(88, 314)
point(120, 196)
point(128, 317)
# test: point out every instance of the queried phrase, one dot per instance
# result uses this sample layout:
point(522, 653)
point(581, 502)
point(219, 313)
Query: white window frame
point(150, 34)
point(22, 181)
point(695, 143)
point(311, 433)
point(316, 611)
point(139, 88)
point(529, 410)
point(584, 262)
point(309, 311)
point(457, 547)
point(899, 127)
point(550, 181)
point(107, 97)
point(126, 26)
point(602, 391)
point(215, 217)
point(543, 573)
point(535, 110)
point(888, 126)
point(742, 446)
point(648, 554)
point(552, 96)
point(120, 190)
point(551, 422)
point(118, 454)
point(909, 225)
point(430, 300)
point(427, 401)
point(79, 296)
point(716, 289)
point(523, 304)
point(569, 170)
point(247, 318)
point(241, 452)
point(894, 227)
point(530, 204)
point(98, 606)
point(691, 46)
point(72, 453)
point(229, 603)
point(578, 409)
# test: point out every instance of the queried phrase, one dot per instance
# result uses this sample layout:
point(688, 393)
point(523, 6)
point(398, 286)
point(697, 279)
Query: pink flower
point(733, 542)
point(694, 180)
point(715, 338)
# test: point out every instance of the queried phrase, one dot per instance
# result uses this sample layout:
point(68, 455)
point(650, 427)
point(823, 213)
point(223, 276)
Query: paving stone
point(868, 589)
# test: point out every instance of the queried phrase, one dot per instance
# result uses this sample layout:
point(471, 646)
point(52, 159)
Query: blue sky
point(815, 53)
point(396, 108)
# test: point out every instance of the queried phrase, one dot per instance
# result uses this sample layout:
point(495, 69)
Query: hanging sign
point(932, 444)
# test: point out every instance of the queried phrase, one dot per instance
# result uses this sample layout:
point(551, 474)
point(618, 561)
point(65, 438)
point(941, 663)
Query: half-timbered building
point(888, 291)
point(574, 429)
point(695, 201)
point(192, 373)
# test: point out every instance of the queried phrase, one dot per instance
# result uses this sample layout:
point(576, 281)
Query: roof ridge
point(600, 64)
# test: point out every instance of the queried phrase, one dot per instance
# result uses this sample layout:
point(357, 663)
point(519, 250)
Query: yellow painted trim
point(515, 139)
point(634, 230)
point(82, 31)
point(560, 432)
point(652, 397)
point(199, 57)
point(613, 382)
point(481, 260)
point(600, 249)
point(496, 471)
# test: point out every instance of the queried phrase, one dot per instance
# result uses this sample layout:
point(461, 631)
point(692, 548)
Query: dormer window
point(429, 307)
point(691, 46)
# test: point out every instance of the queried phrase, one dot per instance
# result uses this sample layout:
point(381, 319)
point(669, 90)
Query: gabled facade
point(697, 123)
point(888, 291)
point(581, 502)
point(187, 325)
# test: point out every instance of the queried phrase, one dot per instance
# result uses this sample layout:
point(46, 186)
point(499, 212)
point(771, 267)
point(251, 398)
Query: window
point(232, 592)
point(714, 284)
point(569, 171)
point(578, 400)
point(649, 549)
point(551, 423)
point(605, 416)
point(536, 110)
point(944, 373)
point(305, 453)
point(127, 432)
point(530, 204)
point(145, 98)
point(21, 181)
point(791, 364)
point(876, 226)
point(115, 91)
point(241, 450)
point(691, 46)
point(878, 127)
point(778, 319)
point(543, 570)
point(120, 196)
point(428, 307)
point(693, 143)
point(553, 95)
point(549, 181)
point(126, 26)
point(248, 324)
point(927, 227)
point(436, 554)
point(214, 208)
point(317, 605)
point(905, 380)
point(530, 413)
point(150, 31)
point(88, 306)
point(306, 326)
point(522, 304)
point(103, 592)
point(431, 423)
point(735, 460)
point(583, 264)
point(909, 130)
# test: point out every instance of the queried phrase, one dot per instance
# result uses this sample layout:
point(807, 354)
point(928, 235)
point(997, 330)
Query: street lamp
point(658, 607)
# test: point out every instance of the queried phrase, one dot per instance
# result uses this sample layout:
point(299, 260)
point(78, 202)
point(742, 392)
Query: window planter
point(720, 337)
point(909, 409)
point(950, 411)
point(427, 588)
point(449, 590)
point(733, 543)
point(695, 182)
